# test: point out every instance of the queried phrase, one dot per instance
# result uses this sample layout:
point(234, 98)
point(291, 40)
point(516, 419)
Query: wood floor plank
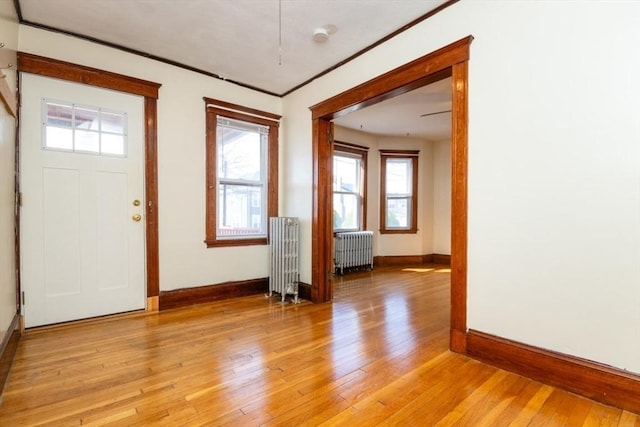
point(377, 355)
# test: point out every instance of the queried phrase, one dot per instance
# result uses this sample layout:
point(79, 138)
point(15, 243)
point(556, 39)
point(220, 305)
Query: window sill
point(409, 231)
point(236, 242)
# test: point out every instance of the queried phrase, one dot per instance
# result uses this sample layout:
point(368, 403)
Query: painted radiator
point(284, 242)
point(353, 249)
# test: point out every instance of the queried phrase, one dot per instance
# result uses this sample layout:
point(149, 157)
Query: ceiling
point(267, 45)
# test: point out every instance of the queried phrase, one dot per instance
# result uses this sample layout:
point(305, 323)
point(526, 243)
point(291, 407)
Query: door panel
point(82, 254)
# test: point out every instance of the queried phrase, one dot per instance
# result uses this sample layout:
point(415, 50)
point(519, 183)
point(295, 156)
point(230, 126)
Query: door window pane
point(87, 141)
point(83, 129)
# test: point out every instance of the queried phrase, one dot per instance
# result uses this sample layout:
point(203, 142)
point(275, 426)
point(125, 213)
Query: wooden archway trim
point(451, 60)
point(49, 67)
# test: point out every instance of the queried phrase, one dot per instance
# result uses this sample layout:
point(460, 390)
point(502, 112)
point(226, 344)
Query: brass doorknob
point(136, 217)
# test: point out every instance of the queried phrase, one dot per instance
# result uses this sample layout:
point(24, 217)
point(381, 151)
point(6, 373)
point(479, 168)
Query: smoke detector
point(321, 34)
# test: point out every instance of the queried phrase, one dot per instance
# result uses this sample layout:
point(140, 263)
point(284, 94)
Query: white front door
point(81, 179)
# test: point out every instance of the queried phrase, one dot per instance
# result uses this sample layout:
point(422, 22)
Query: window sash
point(349, 218)
point(246, 187)
point(242, 214)
point(398, 195)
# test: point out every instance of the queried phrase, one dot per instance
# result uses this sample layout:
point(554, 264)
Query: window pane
point(113, 123)
point(398, 176)
point(87, 141)
point(398, 213)
point(112, 144)
point(346, 214)
point(240, 210)
point(239, 153)
point(74, 128)
point(59, 138)
point(86, 118)
point(59, 115)
point(346, 174)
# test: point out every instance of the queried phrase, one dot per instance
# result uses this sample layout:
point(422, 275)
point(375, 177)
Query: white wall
point(434, 193)
point(442, 197)
point(9, 36)
point(184, 259)
point(554, 167)
point(420, 243)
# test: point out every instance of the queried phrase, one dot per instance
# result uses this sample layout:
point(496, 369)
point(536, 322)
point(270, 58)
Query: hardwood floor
point(377, 355)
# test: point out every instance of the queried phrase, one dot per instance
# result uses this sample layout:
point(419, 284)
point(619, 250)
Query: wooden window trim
point(399, 154)
point(214, 108)
point(362, 151)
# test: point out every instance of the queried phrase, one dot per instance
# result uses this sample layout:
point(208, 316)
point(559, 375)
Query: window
point(242, 174)
point(349, 187)
point(83, 129)
point(398, 191)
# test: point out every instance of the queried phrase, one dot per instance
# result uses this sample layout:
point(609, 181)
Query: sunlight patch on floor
point(418, 270)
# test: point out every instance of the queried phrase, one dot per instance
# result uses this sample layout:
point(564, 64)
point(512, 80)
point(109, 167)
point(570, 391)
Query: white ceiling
point(263, 44)
point(404, 114)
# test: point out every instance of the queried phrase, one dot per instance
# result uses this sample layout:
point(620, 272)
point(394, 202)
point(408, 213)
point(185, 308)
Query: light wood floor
point(376, 355)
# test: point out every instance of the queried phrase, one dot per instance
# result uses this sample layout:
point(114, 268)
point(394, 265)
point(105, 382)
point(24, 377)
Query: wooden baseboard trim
point(190, 296)
point(593, 380)
point(381, 261)
point(441, 259)
point(304, 291)
point(8, 350)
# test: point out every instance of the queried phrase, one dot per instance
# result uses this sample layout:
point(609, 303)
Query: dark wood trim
point(149, 90)
point(399, 154)
point(441, 259)
point(248, 115)
point(413, 75)
point(322, 207)
point(593, 380)
point(346, 146)
point(8, 349)
point(381, 261)
point(363, 152)
point(241, 109)
point(374, 45)
point(459, 160)
point(151, 196)
point(198, 295)
point(304, 291)
point(48, 67)
point(450, 60)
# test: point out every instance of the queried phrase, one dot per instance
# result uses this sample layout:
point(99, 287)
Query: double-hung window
point(349, 187)
point(398, 191)
point(242, 171)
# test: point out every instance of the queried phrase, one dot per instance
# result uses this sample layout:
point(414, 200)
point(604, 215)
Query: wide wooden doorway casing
point(451, 60)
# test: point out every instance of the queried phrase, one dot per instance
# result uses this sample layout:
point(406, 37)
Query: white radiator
point(353, 249)
point(284, 274)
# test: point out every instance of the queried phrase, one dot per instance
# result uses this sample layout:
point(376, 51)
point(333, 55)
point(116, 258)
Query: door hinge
point(23, 300)
point(19, 199)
